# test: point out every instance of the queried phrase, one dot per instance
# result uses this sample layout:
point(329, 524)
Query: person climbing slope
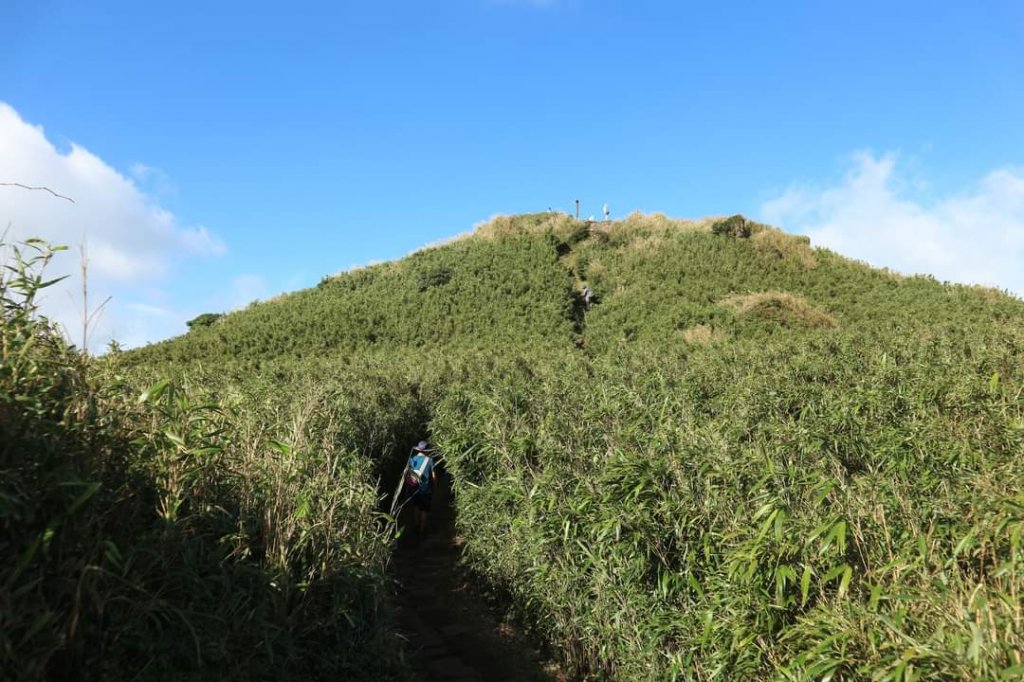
point(419, 482)
point(588, 298)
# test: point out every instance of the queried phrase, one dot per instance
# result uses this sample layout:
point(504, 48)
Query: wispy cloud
point(153, 179)
point(879, 214)
point(132, 241)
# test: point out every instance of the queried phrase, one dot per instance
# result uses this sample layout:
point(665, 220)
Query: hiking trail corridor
point(453, 634)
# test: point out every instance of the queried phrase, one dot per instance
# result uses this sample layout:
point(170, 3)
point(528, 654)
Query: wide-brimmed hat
point(422, 446)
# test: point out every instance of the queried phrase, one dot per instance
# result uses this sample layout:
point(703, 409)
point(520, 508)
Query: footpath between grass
point(452, 633)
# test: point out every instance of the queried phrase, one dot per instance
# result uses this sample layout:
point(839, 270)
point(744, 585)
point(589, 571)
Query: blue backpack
point(414, 477)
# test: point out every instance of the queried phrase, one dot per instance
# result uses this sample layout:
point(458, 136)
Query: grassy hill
point(749, 459)
point(473, 293)
point(515, 283)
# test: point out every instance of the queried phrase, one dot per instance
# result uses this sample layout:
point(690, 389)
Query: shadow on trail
point(453, 634)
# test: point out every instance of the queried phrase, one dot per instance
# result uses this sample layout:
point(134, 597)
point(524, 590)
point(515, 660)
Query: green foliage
point(204, 320)
point(474, 293)
point(735, 226)
point(796, 510)
point(434, 278)
point(766, 461)
point(751, 460)
point(187, 530)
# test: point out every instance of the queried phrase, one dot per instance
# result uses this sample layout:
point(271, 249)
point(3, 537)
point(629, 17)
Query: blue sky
point(220, 152)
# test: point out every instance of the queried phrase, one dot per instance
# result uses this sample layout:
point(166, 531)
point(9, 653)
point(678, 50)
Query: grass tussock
point(561, 225)
point(984, 293)
point(702, 335)
point(647, 242)
point(781, 307)
point(736, 226)
point(642, 230)
point(776, 246)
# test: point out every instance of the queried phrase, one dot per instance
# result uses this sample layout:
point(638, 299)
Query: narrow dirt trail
point(454, 636)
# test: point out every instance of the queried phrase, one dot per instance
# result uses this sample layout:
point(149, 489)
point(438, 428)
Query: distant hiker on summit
point(588, 298)
point(419, 478)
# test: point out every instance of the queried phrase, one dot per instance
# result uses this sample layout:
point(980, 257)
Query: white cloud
point(877, 214)
point(132, 242)
point(153, 179)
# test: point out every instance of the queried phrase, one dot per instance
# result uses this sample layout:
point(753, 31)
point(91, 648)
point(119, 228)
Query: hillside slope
point(472, 293)
point(516, 283)
point(748, 459)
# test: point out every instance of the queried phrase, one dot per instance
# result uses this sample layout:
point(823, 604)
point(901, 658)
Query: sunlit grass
point(749, 459)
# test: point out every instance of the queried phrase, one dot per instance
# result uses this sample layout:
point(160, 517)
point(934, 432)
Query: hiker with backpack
point(419, 480)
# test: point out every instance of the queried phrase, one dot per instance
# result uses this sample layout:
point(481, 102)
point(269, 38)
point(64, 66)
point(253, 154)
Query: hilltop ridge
point(516, 280)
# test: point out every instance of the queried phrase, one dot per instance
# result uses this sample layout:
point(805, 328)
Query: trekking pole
point(398, 490)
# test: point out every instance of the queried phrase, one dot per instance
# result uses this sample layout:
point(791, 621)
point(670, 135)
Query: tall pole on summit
point(577, 209)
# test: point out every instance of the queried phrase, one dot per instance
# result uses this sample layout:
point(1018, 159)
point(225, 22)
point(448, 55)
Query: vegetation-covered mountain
point(748, 459)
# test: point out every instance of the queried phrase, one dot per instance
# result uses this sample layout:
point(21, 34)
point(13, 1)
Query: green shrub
point(204, 320)
point(735, 226)
point(434, 278)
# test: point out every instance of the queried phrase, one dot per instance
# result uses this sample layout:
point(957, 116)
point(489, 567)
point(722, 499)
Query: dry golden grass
point(702, 335)
point(497, 226)
point(644, 231)
point(780, 306)
point(638, 221)
point(776, 245)
point(984, 293)
point(891, 274)
point(559, 224)
point(703, 224)
point(647, 242)
point(638, 230)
